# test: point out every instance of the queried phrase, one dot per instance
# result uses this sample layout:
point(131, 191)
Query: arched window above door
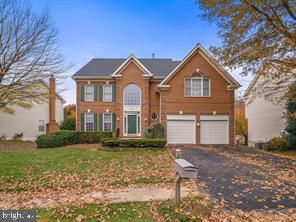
point(132, 95)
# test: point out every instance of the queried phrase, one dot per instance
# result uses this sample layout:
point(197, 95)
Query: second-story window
point(132, 95)
point(197, 85)
point(89, 93)
point(107, 93)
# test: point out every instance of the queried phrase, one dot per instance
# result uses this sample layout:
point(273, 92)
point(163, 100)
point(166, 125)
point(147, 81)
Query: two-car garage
point(181, 129)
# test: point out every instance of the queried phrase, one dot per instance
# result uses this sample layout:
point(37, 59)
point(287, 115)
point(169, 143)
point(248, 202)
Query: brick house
point(193, 99)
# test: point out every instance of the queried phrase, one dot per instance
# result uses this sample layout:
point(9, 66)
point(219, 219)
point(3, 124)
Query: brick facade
point(164, 102)
point(221, 100)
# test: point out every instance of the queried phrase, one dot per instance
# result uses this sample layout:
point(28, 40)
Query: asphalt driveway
point(244, 178)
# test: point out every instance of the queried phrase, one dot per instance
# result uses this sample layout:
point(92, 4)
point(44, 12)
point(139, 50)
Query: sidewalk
point(54, 199)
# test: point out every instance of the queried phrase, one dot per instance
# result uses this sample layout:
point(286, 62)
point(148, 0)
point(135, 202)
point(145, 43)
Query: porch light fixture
point(180, 112)
point(107, 110)
point(88, 110)
point(88, 82)
point(214, 112)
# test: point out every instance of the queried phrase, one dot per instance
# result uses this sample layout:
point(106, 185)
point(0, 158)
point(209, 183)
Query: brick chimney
point(52, 125)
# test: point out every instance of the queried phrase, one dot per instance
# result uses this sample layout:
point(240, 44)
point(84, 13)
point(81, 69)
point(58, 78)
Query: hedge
point(56, 139)
point(93, 137)
point(111, 142)
point(68, 137)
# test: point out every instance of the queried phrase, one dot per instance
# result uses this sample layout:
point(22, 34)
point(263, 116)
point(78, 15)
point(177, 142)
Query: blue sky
point(116, 28)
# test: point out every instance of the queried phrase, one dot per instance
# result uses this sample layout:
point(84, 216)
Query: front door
point(132, 124)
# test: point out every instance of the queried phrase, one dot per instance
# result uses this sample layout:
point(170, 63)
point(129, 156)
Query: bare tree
point(28, 55)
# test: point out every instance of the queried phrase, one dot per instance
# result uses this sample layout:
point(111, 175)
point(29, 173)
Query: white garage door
point(181, 129)
point(214, 129)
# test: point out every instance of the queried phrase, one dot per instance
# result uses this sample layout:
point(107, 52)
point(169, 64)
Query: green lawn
point(61, 168)
point(191, 210)
point(46, 170)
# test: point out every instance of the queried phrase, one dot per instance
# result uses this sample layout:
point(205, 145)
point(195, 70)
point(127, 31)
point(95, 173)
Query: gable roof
point(100, 67)
point(137, 62)
point(210, 60)
point(285, 80)
point(159, 68)
point(251, 85)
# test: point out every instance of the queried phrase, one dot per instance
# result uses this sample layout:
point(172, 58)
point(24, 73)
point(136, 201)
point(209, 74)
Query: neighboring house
point(193, 99)
point(239, 112)
point(264, 111)
point(41, 118)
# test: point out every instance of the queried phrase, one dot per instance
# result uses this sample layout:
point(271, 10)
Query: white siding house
point(31, 122)
point(264, 111)
point(265, 120)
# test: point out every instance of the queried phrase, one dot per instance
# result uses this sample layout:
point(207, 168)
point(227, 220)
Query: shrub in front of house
point(275, 143)
point(111, 142)
point(154, 131)
point(93, 137)
point(69, 123)
point(153, 142)
point(56, 139)
point(69, 137)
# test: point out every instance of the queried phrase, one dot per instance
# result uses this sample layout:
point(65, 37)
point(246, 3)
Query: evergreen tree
point(69, 123)
point(291, 117)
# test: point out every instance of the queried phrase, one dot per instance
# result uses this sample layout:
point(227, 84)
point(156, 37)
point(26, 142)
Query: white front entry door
point(214, 129)
point(181, 129)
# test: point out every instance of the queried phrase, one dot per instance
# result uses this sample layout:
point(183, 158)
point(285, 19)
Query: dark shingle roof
point(105, 67)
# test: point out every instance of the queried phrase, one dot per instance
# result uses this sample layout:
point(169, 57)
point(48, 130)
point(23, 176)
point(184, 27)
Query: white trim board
point(132, 58)
point(181, 117)
point(209, 59)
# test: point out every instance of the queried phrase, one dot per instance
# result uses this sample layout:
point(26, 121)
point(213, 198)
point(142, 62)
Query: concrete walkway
point(51, 200)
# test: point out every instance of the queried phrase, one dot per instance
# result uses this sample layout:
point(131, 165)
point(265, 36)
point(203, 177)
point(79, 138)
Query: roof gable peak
point(130, 58)
point(203, 52)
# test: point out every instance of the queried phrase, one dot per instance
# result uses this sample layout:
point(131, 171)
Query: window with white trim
point(107, 122)
point(132, 95)
point(107, 93)
point(89, 93)
point(197, 86)
point(89, 121)
point(41, 126)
